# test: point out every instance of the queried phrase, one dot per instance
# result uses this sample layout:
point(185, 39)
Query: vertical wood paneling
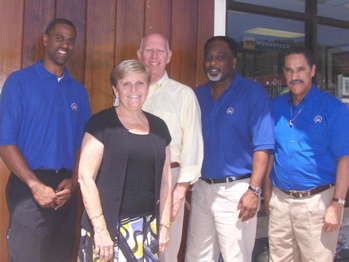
point(108, 31)
point(158, 17)
point(205, 24)
point(100, 37)
point(11, 21)
point(129, 29)
point(75, 11)
point(37, 14)
point(184, 16)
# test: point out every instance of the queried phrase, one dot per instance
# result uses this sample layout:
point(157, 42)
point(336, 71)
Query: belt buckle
point(208, 180)
point(293, 193)
point(299, 194)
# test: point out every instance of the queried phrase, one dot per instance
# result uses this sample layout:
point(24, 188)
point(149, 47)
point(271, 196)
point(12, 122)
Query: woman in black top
point(124, 175)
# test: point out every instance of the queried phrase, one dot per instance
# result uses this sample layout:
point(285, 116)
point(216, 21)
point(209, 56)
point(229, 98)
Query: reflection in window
point(291, 5)
point(338, 9)
point(262, 40)
point(333, 59)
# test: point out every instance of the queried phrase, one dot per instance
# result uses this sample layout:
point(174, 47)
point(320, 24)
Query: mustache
point(296, 81)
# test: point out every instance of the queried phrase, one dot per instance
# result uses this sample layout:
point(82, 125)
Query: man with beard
point(238, 134)
point(309, 177)
point(43, 112)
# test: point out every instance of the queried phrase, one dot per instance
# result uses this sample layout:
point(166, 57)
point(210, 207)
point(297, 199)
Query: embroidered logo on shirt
point(318, 119)
point(230, 111)
point(74, 106)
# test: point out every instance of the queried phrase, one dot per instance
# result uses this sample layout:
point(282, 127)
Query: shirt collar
point(308, 96)
point(45, 74)
point(161, 82)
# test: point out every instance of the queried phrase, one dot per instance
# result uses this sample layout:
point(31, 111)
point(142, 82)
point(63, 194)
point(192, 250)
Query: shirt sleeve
point(10, 111)
point(192, 141)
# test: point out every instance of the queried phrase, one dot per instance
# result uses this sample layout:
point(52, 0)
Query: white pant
point(176, 228)
point(214, 226)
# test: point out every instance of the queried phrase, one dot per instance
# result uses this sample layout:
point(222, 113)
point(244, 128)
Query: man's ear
point(169, 56)
point(313, 70)
point(44, 39)
point(139, 55)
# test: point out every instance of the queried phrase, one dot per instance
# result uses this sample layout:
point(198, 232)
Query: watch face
point(256, 190)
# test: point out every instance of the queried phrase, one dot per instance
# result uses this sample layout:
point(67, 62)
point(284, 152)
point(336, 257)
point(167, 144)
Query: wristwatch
point(339, 200)
point(256, 190)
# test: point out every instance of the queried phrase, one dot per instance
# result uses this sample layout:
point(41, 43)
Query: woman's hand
point(163, 238)
point(104, 246)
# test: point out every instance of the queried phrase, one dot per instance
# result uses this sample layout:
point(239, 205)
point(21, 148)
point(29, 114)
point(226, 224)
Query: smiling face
point(298, 74)
point(155, 53)
point(59, 46)
point(219, 62)
point(132, 90)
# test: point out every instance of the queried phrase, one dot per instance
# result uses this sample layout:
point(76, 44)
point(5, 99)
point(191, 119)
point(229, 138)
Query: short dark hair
point(233, 46)
point(56, 21)
point(301, 50)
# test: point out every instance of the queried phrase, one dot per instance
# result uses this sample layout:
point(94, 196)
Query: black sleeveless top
point(139, 187)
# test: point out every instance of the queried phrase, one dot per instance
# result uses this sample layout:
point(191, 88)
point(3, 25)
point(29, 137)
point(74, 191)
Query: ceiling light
point(273, 32)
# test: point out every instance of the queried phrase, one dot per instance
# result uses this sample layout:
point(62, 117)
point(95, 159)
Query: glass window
point(337, 9)
point(262, 40)
point(291, 5)
point(333, 60)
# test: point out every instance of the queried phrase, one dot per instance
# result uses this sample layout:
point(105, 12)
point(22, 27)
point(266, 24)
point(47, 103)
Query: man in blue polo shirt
point(43, 112)
point(238, 134)
point(310, 174)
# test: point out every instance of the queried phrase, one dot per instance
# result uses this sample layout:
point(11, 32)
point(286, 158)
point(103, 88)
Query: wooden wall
point(108, 32)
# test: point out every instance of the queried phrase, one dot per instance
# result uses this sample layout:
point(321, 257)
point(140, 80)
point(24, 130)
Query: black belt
point(307, 193)
point(224, 180)
point(62, 170)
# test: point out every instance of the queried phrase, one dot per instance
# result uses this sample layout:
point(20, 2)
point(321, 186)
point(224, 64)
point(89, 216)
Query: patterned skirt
point(137, 242)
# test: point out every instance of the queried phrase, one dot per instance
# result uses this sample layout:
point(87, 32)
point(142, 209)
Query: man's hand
point(178, 196)
point(163, 239)
point(44, 195)
point(64, 192)
point(332, 218)
point(248, 205)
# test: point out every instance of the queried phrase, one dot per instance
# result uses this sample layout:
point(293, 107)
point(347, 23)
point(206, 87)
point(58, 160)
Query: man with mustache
point(305, 193)
point(238, 134)
point(43, 112)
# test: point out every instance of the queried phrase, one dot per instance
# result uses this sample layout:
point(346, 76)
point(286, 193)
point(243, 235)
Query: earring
point(116, 101)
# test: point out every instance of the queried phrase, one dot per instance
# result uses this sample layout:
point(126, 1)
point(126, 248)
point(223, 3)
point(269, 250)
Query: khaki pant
point(295, 228)
point(214, 226)
point(176, 228)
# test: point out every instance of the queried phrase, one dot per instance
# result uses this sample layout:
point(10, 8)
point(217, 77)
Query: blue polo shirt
point(43, 117)
point(306, 153)
point(235, 126)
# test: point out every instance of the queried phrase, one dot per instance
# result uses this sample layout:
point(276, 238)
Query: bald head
point(154, 51)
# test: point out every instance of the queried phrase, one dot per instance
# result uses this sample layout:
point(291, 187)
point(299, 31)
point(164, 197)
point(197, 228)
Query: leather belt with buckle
point(174, 164)
point(224, 180)
point(307, 193)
